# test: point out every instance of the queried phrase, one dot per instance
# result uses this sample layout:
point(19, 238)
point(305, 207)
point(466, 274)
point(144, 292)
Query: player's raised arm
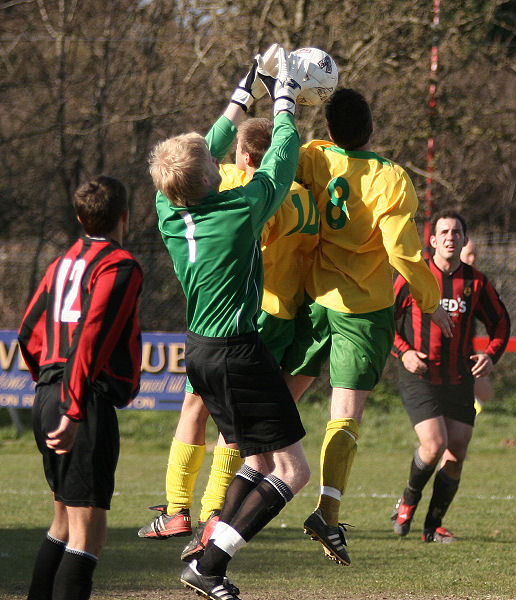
point(250, 88)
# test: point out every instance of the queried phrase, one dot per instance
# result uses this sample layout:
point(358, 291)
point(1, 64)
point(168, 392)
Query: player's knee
point(432, 450)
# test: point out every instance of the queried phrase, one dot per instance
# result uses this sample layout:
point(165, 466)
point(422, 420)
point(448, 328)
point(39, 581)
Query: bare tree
point(89, 87)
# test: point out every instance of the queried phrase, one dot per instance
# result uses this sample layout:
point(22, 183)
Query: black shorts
point(422, 400)
point(85, 476)
point(244, 390)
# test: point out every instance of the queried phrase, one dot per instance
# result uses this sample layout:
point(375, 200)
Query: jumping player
point(437, 374)
point(367, 206)
point(188, 445)
point(80, 338)
point(288, 240)
point(214, 241)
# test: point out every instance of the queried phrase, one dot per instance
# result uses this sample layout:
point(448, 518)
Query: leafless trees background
point(89, 87)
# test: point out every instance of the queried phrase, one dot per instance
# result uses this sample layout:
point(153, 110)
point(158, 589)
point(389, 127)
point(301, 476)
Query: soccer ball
point(323, 70)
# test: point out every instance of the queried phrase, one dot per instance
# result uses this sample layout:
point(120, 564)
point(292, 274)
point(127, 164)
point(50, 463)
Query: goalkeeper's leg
point(226, 462)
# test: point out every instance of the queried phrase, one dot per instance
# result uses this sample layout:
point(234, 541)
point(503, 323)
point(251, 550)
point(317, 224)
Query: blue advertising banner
point(162, 380)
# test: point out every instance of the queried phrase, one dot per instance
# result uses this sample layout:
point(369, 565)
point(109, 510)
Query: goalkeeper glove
point(285, 87)
point(250, 87)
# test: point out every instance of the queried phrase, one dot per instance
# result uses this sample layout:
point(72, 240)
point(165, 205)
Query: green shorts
point(277, 334)
point(357, 344)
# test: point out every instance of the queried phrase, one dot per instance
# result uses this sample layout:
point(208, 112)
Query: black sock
point(45, 568)
point(420, 473)
point(214, 561)
point(445, 489)
point(244, 481)
point(74, 578)
point(260, 506)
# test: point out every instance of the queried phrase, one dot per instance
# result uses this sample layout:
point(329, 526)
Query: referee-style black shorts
point(423, 400)
point(244, 390)
point(85, 476)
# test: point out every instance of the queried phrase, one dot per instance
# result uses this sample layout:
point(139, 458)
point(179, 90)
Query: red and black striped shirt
point(82, 324)
point(466, 294)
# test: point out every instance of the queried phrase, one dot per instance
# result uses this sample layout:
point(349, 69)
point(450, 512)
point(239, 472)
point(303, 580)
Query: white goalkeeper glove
point(250, 87)
point(285, 87)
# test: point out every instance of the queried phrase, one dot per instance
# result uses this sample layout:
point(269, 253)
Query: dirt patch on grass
point(508, 442)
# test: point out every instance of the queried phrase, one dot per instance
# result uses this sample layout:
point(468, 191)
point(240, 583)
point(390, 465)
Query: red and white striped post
point(434, 61)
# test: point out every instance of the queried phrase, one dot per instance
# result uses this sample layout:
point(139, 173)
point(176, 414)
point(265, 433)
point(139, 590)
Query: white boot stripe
point(221, 592)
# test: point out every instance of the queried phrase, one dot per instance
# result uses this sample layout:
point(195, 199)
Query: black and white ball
point(324, 71)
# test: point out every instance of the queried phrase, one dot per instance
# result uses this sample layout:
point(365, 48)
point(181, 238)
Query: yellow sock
point(337, 454)
point(226, 463)
point(184, 464)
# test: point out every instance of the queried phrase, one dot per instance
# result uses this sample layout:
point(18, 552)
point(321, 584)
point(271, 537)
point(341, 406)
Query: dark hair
point(349, 118)
point(448, 213)
point(99, 204)
point(255, 136)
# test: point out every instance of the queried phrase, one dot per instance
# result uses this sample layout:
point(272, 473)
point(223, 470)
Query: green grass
point(281, 563)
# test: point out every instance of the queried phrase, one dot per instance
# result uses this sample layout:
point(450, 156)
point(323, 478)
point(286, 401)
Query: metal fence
point(23, 262)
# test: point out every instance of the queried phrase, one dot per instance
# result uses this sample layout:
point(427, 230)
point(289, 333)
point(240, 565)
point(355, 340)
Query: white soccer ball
point(324, 71)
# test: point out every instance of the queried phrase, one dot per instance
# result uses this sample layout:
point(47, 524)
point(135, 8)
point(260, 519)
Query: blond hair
point(178, 167)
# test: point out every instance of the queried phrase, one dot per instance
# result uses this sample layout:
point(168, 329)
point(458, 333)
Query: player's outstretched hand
point(268, 61)
point(444, 321)
point(62, 439)
point(250, 88)
point(284, 88)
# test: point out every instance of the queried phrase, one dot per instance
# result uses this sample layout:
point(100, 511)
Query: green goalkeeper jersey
point(215, 245)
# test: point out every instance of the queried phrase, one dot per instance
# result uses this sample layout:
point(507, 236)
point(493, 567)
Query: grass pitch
point(282, 563)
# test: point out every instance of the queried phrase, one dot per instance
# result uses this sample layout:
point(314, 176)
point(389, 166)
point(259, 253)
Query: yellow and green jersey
point(288, 241)
point(367, 206)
